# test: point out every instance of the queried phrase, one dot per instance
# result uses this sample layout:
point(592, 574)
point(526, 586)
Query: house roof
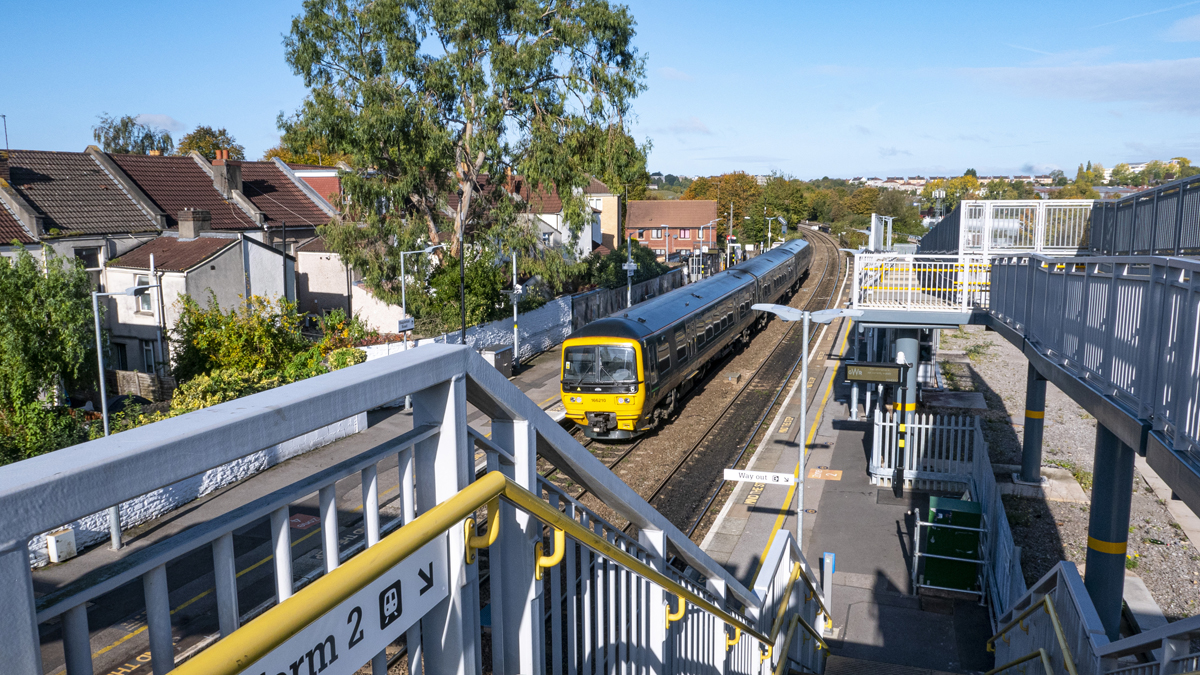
point(10, 228)
point(314, 245)
point(277, 196)
point(672, 213)
point(73, 194)
point(595, 187)
point(178, 183)
point(172, 254)
point(539, 200)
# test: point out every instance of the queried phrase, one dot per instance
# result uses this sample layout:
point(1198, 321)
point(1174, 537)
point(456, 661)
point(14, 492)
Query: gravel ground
point(1046, 531)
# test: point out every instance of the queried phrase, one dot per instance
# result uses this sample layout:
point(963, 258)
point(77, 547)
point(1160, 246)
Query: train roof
point(658, 313)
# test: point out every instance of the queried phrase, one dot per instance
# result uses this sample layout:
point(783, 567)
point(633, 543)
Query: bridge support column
point(445, 465)
point(518, 629)
point(655, 543)
point(19, 651)
point(1035, 412)
point(1108, 527)
point(908, 343)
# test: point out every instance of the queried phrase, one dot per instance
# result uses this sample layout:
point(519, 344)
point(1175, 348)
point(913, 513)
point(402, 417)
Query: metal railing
point(1126, 326)
point(1055, 615)
point(949, 453)
point(920, 282)
point(588, 602)
point(1162, 221)
point(992, 227)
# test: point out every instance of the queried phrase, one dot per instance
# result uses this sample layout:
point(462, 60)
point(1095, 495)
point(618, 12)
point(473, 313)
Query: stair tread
point(841, 665)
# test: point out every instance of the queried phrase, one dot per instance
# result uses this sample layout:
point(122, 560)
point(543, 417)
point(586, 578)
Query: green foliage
point(339, 331)
point(306, 364)
point(47, 334)
point(126, 136)
point(258, 335)
point(206, 141)
point(606, 271)
point(347, 356)
point(221, 385)
point(900, 206)
point(31, 429)
point(864, 201)
point(739, 190)
point(957, 189)
point(1004, 189)
point(446, 100)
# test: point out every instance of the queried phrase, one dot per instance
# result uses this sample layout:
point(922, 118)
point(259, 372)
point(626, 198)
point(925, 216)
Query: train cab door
point(648, 356)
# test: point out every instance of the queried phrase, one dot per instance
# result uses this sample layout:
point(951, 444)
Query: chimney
point(227, 174)
point(192, 222)
point(155, 153)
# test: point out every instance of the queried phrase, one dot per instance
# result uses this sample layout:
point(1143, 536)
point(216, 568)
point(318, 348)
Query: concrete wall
point(223, 276)
point(94, 528)
point(597, 304)
point(266, 271)
point(374, 312)
point(610, 220)
point(321, 282)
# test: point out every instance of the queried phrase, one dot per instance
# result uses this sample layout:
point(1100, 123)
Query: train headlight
point(576, 399)
point(622, 400)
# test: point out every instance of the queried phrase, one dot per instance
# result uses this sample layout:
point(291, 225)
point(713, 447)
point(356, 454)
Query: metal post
point(403, 297)
point(901, 436)
point(828, 567)
point(1108, 528)
point(516, 357)
point(628, 272)
point(1035, 412)
point(114, 511)
point(908, 344)
point(655, 543)
point(517, 615)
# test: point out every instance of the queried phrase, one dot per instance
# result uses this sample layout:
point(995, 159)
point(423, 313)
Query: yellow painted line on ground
point(548, 400)
point(791, 493)
point(249, 569)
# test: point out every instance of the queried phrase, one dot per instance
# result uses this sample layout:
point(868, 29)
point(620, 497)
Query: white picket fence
point(948, 453)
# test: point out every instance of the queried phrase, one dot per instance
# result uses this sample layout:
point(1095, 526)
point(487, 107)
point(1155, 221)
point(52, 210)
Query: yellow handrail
point(777, 625)
point(737, 637)
point(780, 667)
point(1040, 653)
point(258, 638)
point(474, 541)
point(544, 561)
point(677, 614)
point(1047, 604)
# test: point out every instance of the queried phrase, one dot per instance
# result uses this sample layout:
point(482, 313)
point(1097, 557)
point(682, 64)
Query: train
point(623, 375)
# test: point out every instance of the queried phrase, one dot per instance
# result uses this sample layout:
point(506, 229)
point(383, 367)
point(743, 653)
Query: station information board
point(882, 373)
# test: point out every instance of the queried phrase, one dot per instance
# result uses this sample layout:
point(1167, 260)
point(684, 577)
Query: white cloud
point(691, 125)
point(892, 152)
point(1184, 30)
point(674, 74)
point(861, 129)
point(161, 121)
point(1152, 83)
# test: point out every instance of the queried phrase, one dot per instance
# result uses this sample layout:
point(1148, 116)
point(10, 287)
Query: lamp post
point(407, 324)
point(823, 316)
point(114, 511)
point(630, 267)
point(514, 296)
point(703, 245)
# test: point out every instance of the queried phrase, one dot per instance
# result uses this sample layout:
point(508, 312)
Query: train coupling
point(603, 425)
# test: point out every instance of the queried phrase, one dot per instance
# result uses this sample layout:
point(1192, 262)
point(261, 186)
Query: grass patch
point(977, 352)
point(1084, 478)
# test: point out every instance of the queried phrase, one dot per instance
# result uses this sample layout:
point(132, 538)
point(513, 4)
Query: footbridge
point(1103, 300)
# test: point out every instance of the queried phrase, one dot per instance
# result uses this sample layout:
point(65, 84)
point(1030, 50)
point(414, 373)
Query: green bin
point(952, 543)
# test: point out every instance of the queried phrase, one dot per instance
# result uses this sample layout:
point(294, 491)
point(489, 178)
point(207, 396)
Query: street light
point(114, 511)
point(630, 267)
point(823, 316)
point(407, 323)
point(514, 296)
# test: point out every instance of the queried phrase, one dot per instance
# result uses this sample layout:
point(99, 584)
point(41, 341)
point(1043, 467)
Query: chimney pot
point(192, 222)
point(155, 153)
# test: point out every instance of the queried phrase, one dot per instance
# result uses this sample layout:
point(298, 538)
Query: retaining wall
point(94, 528)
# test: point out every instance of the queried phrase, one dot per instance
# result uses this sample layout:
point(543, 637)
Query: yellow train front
point(624, 374)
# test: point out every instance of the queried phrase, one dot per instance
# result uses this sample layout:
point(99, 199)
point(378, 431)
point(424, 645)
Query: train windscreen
point(599, 365)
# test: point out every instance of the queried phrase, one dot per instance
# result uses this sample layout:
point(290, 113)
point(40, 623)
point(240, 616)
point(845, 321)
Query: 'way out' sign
point(344, 639)
point(760, 477)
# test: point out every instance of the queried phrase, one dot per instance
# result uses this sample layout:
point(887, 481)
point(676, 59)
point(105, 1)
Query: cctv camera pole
point(803, 437)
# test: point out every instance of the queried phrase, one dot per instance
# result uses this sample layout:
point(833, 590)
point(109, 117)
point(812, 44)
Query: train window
point(699, 341)
point(708, 333)
point(680, 343)
point(664, 355)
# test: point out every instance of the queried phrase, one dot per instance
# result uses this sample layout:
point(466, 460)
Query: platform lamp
point(405, 326)
point(823, 316)
point(114, 511)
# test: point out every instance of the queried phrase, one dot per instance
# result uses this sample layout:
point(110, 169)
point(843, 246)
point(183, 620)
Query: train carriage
point(623, 374)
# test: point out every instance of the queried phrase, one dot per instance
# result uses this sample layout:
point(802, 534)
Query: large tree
point(126, 136)
point(207, 140)
point(439, 102)
point(738, 192)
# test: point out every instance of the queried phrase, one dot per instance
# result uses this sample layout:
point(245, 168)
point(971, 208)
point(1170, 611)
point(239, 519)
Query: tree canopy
point(126, 136)
point(441, 102)
point(207, 140)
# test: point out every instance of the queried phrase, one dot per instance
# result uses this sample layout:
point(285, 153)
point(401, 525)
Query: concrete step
point(840, 665)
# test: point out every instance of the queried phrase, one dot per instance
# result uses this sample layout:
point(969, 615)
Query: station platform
point(876, 616)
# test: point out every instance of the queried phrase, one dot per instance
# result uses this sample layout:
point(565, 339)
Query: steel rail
point(1039, 654)
point(257, 639)
point(1048, 605)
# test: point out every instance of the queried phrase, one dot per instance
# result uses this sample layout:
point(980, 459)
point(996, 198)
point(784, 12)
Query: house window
point(147, 355)
point(685, 234)
point(656, 234)
point(90, 257)
point(145, 301)
point(660, 251)
point(118, 360)
point(545, 239)
point(641, 234)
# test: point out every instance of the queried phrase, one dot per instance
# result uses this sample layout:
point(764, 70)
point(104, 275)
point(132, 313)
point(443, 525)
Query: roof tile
point(74, 195)
point(671, 213)
point(277, 196)
point(178, 183)
point(172, 254)
point(10, 228)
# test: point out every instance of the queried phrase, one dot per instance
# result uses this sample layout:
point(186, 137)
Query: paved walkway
point(876, 617)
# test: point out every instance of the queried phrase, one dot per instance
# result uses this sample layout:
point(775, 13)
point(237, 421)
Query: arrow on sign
point(427, 578)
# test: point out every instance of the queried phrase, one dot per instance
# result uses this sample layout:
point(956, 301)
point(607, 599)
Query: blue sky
point(807, 89)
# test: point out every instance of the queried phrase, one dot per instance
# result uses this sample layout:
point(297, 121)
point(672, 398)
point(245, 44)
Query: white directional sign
point(767, 477)
point(344, 639)
point(404, 324)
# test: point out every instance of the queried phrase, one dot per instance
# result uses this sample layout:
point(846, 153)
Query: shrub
point(260, 335)
point(220, 386)
point(339, 331)
point(347, 356)
point(33, 429)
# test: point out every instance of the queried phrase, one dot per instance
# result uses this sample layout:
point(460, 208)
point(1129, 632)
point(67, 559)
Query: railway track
point(729, 429)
